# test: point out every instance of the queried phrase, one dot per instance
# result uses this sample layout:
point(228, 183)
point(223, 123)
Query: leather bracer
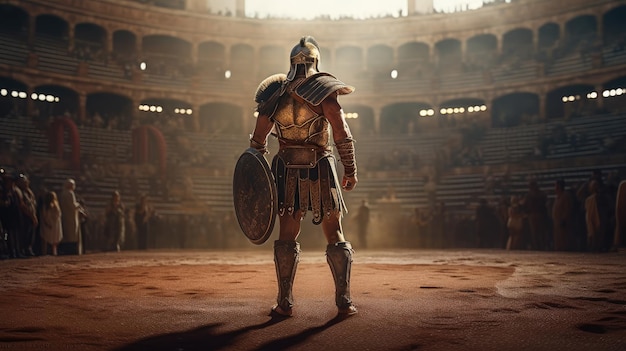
point(262, 148)
point(347, 157)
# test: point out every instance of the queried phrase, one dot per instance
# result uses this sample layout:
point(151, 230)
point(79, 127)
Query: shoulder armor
point(268, 87)
point(268, 92)
point(316, 88)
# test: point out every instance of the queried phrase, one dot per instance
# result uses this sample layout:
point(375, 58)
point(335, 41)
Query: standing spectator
point(515, 224)
point(611, 191)
point(40, 197)
point(562, 218)
point(143, 214)
point(582, 193)
point(70, 215)
point(363, 220)
point(502, 213)
point(4, 250)
point(85, 229)
point(9, 212)
point(536, 204)
point(439, 225)
point(584, 190)
point(424, 221)
point(579, 231)
point(487, 227)
point(182, 225)
point(28, 215)
point(596, 216)
point(114, 222)
point(51, 227)
point(620, 216)
point(130, 229)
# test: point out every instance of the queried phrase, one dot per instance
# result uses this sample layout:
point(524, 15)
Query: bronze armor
point(291, 105)
point(304, 167)
point(297, 123)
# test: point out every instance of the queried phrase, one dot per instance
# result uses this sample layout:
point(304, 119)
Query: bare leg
point(289, 226)
point(54, 249)
point(332, 229)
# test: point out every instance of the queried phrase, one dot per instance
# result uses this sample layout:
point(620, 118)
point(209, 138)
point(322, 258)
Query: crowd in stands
point(398, 158)
point(86, 51)
point(502, 219)
point(571, 217)
point(36, 220)
point(460, 148)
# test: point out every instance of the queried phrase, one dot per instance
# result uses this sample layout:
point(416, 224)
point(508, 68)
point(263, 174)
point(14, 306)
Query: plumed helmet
point(306, 52)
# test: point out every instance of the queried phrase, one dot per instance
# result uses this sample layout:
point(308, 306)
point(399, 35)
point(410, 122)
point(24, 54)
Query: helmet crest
point(306, 52)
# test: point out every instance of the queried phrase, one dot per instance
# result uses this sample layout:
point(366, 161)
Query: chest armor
point(297, 123)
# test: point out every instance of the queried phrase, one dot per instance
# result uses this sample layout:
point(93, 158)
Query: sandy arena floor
point(407, 300)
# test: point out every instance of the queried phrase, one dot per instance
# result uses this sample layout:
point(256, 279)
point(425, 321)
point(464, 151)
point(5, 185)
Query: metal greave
point(286, 258)
point(339, 258)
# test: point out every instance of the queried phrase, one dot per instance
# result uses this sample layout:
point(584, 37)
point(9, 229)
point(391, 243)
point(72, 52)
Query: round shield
point(255, 196)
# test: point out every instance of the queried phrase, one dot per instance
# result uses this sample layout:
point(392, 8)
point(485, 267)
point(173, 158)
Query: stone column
point(600, 98)
point(377, 112)
point(32, 28)
point(194, 54)
point(108, 44)
point(195, 116)
point(70, 39)
point(542, 106)
point(81, 112)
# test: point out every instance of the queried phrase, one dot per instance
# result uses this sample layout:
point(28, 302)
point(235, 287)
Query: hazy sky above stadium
point(345, 8)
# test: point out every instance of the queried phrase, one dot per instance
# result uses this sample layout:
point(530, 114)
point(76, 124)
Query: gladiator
point(300, 109)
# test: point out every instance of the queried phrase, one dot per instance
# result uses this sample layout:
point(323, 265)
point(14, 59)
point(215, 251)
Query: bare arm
point(258, 140)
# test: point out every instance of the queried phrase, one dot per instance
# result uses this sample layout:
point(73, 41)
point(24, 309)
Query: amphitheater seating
point(460, 192)
point(611, 57)
point(573, 63)
point(213, 187)
point(14, 50)
point(155, 79)
point(212, 182)
point(527, 70)
point(53, 55)
point(111, 71)
point(112, 145)
point(423, 144)
point(462, 80)
point(22, 128)
point(520, 141)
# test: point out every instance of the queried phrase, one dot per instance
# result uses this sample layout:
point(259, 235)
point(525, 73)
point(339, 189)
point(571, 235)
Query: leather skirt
point(314, 188)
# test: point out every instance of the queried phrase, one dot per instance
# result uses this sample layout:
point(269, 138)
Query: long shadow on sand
point(299, 338)
point(207, 338)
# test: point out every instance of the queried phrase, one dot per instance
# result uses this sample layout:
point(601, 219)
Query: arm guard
point(262, 148)
point(347, 156)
